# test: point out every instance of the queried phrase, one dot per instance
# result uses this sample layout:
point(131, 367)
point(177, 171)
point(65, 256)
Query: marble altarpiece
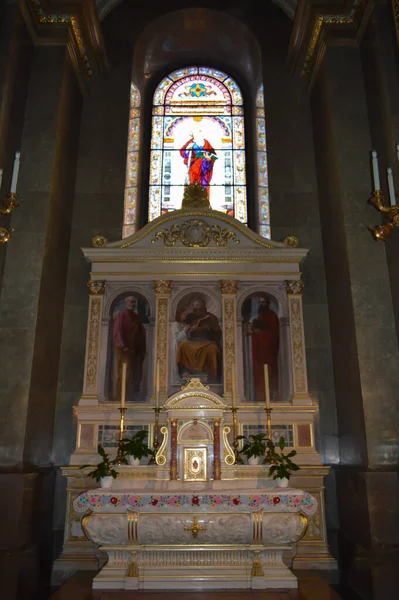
point(173, 264)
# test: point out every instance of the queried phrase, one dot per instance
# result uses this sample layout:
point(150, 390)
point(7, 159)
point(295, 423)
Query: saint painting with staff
point(199, 156)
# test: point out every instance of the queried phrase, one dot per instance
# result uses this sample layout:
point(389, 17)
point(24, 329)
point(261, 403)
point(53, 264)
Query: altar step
point(312, 586)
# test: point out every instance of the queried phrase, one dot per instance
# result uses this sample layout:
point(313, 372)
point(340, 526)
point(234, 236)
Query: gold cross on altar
point(195, 527)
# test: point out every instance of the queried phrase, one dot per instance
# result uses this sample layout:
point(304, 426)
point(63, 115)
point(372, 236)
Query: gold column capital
point(96, 288)
point(162, 287)
point(294, 288)
point(228, 286)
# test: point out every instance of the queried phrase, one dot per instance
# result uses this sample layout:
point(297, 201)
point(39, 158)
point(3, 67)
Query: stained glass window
point(198, 135)
point(129, 220)
point(263, 183)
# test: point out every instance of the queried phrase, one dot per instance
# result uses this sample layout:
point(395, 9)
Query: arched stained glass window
point(263, 182)
point(198, 135)
point(129, 218)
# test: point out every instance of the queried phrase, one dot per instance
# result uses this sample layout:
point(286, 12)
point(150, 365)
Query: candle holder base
point(382, 232)
point(5, 234)
point(9, 203)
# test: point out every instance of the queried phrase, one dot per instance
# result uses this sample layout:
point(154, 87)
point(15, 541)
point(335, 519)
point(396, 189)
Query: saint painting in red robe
point(265, 343)
point(199, 156)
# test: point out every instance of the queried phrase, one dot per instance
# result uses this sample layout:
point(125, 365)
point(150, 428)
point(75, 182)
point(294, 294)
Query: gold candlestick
point(269, 459)
point(238, 460)
point(9, 203)
point(155, 443)
point(381, 232)
point(120, 457)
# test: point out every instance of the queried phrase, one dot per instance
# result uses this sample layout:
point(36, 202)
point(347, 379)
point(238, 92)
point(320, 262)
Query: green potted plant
point(254, 447)
point(282, 464)
point(104, 472)
point(135, 448)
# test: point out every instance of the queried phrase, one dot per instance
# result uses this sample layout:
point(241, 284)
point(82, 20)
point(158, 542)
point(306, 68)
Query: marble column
point(162, 291)
point(173, 449)
point(362, 320)
point(229, 293)
point(31, 310)
point(90, 382)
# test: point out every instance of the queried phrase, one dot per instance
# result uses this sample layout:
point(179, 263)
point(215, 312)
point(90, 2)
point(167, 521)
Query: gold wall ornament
point(9, 203)
point(229, 341)
point(257, 569)
point(195, 233)
point(99, 241)
point(228, 286)
point(195, 464)
point(294, 287)
point(162, 456)
point(291, 241)
point(381, 232)
point(195, 196)
point(93, 340)
point(96, 287)
point(195, 527)
point(162, 287)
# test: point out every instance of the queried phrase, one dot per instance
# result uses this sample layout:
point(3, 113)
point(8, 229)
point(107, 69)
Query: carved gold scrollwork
point(195, 196)
point(228, 286)
point(294, 288)
point(99, 241)
point(162, 456)
point(162, 287)
point(96, 288)
point(195, 233)
point(229, 458)
point(291, 241)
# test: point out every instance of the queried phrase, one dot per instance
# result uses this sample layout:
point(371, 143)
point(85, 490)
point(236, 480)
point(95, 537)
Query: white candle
point(123, 387)
point(15, 174)
point(157, 385)
point(1, 177)
point(376, 174)
point(233, 387)
point(267, 391)
point(391, 187)
point(397, 151)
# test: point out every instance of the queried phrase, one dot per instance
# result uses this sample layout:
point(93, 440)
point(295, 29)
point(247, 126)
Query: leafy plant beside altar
point(135, 448)
point(282, 464)
point(254, 447)
point(104, 472)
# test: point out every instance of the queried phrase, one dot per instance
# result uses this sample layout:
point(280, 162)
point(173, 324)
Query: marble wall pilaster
point(229, 293)
point(298, 348)
point(90, 382)
point(162, 291)
point(362, 318)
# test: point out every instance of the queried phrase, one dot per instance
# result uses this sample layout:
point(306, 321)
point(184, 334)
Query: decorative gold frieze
point(294, 288)
point(229, 340)
point(162, 287)
point(96, 287)
point(228, 286)
point(92, 344)
point(195, 196)
point(298, 344)
point(195, 233)
point(161, 340)
point(99, 241)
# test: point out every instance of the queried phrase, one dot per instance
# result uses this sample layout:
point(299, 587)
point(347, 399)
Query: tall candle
point(376, 174)
point(391, 187)
point(123, 387)
point(157, 385)
point(267, 390)
point(15, 173)
point(233, 386)
point(1, 177)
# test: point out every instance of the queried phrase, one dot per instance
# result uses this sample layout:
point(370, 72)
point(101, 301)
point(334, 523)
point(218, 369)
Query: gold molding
point(294, 288)
point(162, 287)
point(96, 287)
point(229, 286)
point(195, 196)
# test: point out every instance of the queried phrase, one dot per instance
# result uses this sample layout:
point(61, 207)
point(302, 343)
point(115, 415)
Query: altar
point(198, 290)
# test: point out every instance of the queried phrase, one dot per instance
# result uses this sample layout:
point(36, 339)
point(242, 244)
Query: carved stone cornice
point(162, 287)
point(294, 288)
point(228, 286)
point(318, 24)
point(96, 288)
point(73, 24)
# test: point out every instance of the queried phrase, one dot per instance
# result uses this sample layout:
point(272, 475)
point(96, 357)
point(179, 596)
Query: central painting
point(198, 136)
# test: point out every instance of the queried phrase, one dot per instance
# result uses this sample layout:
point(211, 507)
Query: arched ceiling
point(105, 6)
